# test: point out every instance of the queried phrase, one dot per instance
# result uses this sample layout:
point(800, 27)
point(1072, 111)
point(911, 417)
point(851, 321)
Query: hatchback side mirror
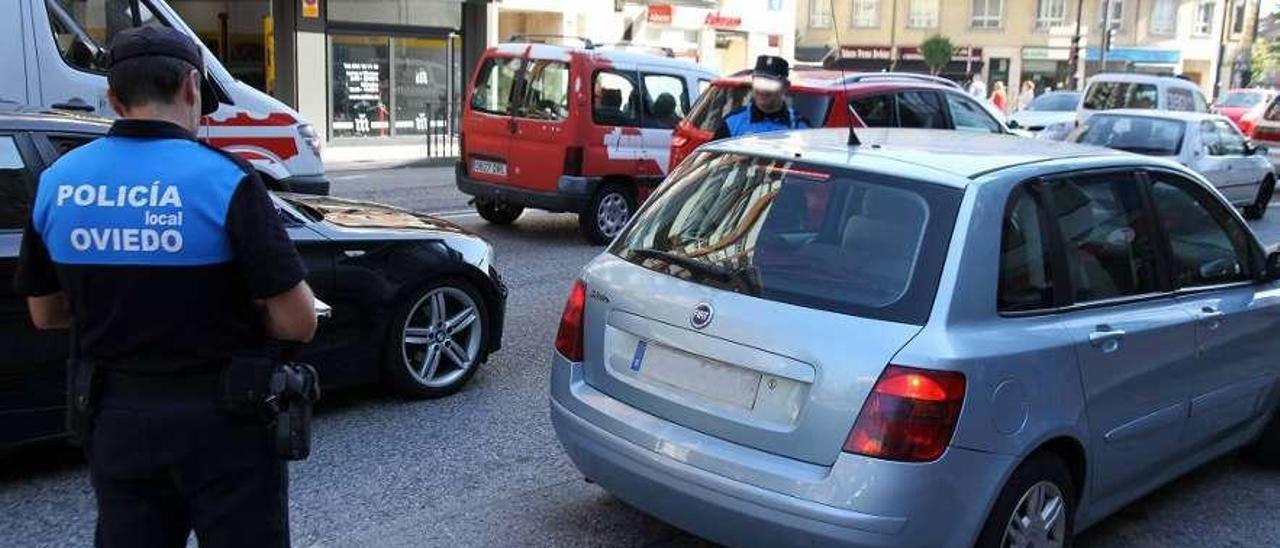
point(1013, 124)
point(1271, 270)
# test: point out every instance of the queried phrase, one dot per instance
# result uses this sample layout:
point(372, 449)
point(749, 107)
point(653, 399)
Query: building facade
point(1207, 41)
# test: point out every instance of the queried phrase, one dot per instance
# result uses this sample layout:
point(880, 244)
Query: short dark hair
point(151, 79)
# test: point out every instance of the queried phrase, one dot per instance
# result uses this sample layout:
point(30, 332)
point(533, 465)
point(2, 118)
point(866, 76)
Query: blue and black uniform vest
point(160, 243)
point(742, 122)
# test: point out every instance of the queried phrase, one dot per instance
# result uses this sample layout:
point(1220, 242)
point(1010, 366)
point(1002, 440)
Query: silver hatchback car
point(922, 340)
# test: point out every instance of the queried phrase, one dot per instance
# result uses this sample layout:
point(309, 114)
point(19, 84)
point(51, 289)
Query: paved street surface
point(483, 468)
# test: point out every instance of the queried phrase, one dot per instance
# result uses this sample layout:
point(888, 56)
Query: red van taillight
point(573, 161)
point(679, 141)
point(569, 337)
point(909, 416)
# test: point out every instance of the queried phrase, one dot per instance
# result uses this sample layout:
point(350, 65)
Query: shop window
point(419, 13)
point(423, 85)
point(614, 99)
point(1164, 17)
point(986, 14)
point(666, 101)
point(15, 193)
point(546, 96)
point(99, 20)
point(492, 92)
point(361, 86)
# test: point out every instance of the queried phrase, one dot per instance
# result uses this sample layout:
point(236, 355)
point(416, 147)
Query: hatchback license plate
point(707, 378)
point(489, 167)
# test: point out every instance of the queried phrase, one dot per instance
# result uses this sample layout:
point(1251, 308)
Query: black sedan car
point(416, 301)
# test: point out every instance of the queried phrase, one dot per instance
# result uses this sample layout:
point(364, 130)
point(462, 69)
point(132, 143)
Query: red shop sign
point(723, 21)
point(660, 13)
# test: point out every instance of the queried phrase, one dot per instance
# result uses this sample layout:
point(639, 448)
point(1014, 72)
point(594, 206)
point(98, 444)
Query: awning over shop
point(1145, 56)
point(812, 54)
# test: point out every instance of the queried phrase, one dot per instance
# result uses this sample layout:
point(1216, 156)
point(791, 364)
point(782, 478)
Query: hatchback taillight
point(909, 416)
point(573, 161)
point(569, 337)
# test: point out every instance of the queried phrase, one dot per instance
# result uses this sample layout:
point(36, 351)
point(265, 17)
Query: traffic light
point(1073, 55)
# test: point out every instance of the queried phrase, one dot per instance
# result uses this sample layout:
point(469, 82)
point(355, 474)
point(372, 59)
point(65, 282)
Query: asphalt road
point(483, 468)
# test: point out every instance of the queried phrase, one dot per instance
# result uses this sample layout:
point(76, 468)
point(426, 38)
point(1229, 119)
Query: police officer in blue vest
point(167, 260)
point(769, 110)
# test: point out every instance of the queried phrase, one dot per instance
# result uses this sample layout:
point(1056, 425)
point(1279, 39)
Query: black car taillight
point(569, 337)
point(573, 161)
point(909, 416)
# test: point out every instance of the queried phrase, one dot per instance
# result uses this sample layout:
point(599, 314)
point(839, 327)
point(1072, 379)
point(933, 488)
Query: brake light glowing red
point(910, 415)
point(569, 337)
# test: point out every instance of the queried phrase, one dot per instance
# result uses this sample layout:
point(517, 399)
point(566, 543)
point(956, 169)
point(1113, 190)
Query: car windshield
point(1055, 102)
point(824, 238)
point(1139, 134)
point(1241, 99)
point(718, 101)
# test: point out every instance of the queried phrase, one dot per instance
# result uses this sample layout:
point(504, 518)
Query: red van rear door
point(488, 124)
point(541, 125)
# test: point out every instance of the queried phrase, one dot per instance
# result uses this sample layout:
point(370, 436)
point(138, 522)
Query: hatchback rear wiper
point(692, 265)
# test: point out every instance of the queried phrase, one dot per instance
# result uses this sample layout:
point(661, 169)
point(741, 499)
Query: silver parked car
point(1209, 144)
point(917, 341)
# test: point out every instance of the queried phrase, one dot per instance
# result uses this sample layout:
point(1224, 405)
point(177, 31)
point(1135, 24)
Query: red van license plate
point(489, 167)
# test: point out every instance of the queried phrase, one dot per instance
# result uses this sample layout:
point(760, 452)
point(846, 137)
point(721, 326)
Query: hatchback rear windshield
point(1109, 95)
point(1139, 134)
point(1241, 99)
point(824, 238)
point(718, 101)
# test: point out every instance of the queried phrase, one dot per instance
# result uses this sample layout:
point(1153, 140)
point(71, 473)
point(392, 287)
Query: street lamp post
point(1075, 47)
point(1106, 36)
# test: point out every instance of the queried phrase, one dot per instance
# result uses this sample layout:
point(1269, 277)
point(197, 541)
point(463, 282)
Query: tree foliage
point(1265, 66)
point(937, 51)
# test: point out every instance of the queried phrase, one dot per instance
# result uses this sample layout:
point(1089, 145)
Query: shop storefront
point(725, 39)
point(1142, 60)
point(1048, 68)
point(965, 61)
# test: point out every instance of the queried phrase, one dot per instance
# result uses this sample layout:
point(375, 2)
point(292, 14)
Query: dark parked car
point(415, 300)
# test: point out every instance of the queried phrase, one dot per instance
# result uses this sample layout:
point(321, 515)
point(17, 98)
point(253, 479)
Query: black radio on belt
point(280, 393)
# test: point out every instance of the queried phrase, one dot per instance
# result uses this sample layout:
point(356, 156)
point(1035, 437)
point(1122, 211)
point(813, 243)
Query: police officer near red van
point(167, 260)
point(769, 109)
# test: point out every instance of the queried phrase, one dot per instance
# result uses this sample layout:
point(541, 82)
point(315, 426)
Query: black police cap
point(772, 66)
point(150, 41)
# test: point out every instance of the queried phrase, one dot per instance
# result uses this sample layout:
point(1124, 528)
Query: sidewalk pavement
point(350, 157)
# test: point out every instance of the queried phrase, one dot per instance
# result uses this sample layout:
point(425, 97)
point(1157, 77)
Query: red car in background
point(1243, 106)
point(881, 99)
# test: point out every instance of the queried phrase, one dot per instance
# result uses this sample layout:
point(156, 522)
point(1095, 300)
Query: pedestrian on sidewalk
point(998, 97)
point(1027, 95)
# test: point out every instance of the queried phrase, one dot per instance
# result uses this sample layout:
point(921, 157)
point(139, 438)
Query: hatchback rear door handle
point(1106, 338)
point(1211, 317)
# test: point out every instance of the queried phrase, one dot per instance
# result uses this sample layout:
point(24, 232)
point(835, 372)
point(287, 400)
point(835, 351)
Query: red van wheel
point(609, 211)
point(498, 213)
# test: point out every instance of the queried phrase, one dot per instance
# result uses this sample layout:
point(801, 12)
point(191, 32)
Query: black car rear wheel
point(437, 340)
point(1258, 208)
point(498, 213)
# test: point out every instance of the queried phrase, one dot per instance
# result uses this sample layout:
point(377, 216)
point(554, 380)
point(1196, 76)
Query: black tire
point(610, 209)
point(399, 353)
point(498, 213)
point(1258, 208)
point(1041, 467)
point(1266, 451)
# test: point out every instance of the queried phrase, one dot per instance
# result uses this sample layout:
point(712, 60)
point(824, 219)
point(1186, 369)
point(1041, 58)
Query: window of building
point(922, 14)
point(866, 13)
point(423, 84)
point(986, 14)
point(1051, 13)
point(1237, 17)
point(1208, 245)
point(1109, 249)
point(1204, 18)
point(1026, 276)
point(419, 13)
point(1117, 12)
point(820, 14)
point(614, 99)
point(1164, 17)
point(666, 100)
point(361, 88)
point(15, 189)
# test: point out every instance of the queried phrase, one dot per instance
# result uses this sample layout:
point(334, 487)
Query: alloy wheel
point(1039, 520)
point(441, 336)
point(612, 214)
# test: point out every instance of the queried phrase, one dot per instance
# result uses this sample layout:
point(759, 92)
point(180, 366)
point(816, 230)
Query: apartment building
point(1017, 40)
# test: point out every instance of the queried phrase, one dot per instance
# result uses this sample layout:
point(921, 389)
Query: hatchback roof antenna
point(844, 78)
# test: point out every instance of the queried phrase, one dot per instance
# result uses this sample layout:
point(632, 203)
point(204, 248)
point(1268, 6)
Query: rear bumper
point(305, 184)
point(573, 194)
point(739, 496)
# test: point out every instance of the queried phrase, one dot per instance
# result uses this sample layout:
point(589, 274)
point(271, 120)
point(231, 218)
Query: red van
point(881, 99)
point(572, 129)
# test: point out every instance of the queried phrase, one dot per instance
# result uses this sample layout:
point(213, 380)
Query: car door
point(614, 143)
point(666, 102)
point(1214, 259)
point(1243, 171)
point(1134, 341)
point(1210, 159)
point(32, 362)
point(540, 125)
point(488, 124)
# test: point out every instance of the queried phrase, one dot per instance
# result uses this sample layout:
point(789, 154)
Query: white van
point(1109, 91)
point(51, 53)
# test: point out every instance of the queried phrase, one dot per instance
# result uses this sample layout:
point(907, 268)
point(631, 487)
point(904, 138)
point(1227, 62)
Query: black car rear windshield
point(819, 237)
point(718, 101)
